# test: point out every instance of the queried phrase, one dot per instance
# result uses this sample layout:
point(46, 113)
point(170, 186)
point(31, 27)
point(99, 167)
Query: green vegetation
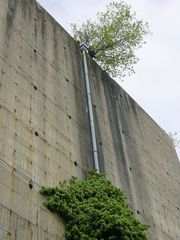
point(93, 209)
point(175, 139)
point(113, 38)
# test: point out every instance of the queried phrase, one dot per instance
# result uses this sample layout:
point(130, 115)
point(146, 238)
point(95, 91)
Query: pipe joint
point(83, 46)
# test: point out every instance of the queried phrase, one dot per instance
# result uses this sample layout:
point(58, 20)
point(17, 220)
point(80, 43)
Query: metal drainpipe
point(84, 50)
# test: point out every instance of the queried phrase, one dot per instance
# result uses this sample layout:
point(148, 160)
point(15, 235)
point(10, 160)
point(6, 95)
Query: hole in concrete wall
point(167, 173)
point(130, 168)
point(100, 143)
point(138, 212)
point(35, 50)
point(30, 184)
point(75, 163)
point(36, 133)
point(70, 117)
point(64, 48)
point(35, 87)
point(94, 106)
point(123, 131)
point(67, 80)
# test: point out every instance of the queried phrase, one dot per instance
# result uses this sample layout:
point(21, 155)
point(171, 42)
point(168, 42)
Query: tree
point(113, 38)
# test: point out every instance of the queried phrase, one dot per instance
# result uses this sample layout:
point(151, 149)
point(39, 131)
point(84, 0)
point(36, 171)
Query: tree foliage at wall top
point(93, 209)
point(113, 38)
point(175, 139)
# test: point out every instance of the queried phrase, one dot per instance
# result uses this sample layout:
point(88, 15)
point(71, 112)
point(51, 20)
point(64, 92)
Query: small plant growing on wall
point(94, 209)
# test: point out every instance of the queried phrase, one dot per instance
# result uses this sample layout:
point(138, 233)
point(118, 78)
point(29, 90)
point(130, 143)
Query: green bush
point(94, 209)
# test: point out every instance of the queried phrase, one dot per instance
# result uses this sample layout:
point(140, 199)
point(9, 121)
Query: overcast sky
point(156, 83)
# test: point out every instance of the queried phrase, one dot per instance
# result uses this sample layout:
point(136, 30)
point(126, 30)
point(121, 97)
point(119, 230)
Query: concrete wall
point(45, 136)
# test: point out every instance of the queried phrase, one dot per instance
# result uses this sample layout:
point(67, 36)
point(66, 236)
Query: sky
point(155, 86)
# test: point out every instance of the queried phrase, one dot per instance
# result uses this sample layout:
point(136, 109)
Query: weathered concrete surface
point(44, 131)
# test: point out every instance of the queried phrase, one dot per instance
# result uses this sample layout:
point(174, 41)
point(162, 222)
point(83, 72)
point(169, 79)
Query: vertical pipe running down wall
point(84, 50)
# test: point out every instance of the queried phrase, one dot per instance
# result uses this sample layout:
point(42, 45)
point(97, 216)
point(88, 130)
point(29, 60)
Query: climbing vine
point(93, 209)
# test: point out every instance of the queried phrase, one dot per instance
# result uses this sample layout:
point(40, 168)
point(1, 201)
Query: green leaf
point(94, 209)
point(114, 38)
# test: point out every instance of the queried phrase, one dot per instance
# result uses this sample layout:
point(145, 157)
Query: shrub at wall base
point(93, 209)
